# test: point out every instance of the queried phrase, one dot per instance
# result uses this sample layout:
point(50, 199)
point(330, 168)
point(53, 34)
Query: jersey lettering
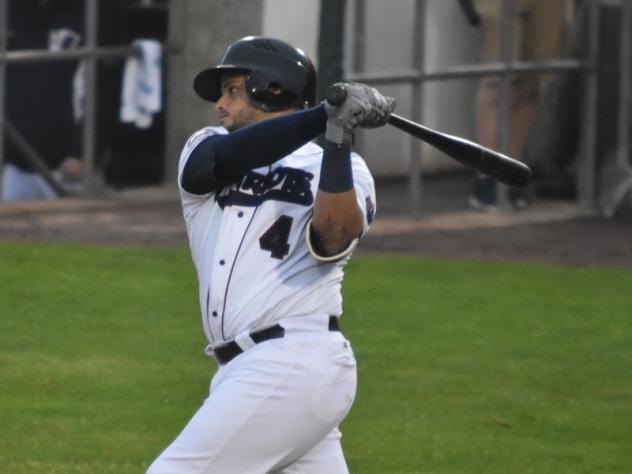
point(281, 184)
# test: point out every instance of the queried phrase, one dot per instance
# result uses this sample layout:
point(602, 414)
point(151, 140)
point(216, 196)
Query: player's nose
point(220, 104)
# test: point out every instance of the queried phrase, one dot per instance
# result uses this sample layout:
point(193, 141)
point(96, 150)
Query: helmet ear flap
point(269, 94)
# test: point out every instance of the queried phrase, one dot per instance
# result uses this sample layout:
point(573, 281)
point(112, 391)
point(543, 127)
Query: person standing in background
point(536, 32)
point(39, 97)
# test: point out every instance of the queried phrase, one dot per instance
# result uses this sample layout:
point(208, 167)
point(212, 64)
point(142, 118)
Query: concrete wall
point(210, 27)
point(294, 21)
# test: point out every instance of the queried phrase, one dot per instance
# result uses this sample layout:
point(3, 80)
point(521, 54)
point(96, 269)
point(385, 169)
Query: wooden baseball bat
point(477, 157)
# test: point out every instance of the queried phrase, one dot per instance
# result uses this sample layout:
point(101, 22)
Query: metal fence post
point(330, 44)
point(175, 89)
point(504, 115)
point(586, 168)
point(4, 10)
point(418, 50)
point(90, 71)
point(359, 45)
point(625, 86)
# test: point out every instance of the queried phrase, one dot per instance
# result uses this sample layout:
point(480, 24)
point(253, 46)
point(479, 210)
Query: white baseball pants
point(273, 409)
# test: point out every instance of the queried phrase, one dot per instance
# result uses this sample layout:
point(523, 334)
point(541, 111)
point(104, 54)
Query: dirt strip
point(553, 231)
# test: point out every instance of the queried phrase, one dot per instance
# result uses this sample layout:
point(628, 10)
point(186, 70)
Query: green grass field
point(465, 367)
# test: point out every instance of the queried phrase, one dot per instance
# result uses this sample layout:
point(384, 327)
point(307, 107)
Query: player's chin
point(229, 124)
point(225, 121)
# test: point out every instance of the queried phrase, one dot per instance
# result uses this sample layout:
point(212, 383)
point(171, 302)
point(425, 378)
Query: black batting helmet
point(280, 76)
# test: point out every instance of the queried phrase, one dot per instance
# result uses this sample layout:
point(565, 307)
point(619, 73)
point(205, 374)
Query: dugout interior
point(127, 155)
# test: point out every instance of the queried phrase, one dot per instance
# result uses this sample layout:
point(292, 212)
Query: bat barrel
point(477, 157)
point(484, 160)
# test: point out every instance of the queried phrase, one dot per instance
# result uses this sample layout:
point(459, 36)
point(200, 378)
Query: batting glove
point(363, 106)
point(381, 109)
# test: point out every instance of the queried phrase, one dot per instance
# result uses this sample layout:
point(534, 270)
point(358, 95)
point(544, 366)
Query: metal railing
point(417, 77)
point(505, 69)
point(89, 55)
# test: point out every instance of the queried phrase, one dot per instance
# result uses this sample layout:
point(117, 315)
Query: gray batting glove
point(381, 109)
point(363, 106)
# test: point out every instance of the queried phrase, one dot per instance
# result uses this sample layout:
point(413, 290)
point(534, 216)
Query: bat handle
point(336, 94)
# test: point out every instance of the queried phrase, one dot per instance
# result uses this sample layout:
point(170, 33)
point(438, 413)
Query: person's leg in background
point(536, 33)
point(19, 185)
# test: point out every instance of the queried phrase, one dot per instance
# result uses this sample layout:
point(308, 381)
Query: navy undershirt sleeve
point(336, 173)
point(223, 159)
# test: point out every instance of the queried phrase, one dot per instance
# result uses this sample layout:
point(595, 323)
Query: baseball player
point(272, 218)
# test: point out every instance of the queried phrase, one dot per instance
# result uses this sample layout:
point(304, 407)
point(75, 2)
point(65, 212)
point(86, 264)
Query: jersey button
point(214, 313)
point(222, 262)
point(240, 214)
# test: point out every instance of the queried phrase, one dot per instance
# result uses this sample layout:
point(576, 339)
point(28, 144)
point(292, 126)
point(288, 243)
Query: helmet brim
point(207, 83)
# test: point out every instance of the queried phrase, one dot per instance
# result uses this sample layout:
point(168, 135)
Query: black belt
point(227, 352)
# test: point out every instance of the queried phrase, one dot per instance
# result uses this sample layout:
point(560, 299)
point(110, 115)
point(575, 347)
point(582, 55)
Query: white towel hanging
point(141, 92)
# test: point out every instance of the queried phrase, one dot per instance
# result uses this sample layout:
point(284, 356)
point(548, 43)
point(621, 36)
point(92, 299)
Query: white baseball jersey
point(250, 244)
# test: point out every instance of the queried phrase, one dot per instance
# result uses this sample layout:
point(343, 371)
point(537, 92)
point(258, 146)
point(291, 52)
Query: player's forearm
point(336, 222)
point(337, 218)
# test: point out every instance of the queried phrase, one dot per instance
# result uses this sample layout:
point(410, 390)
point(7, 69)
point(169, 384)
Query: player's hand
point(381, 109)
point(363, 106)
point(71, 169)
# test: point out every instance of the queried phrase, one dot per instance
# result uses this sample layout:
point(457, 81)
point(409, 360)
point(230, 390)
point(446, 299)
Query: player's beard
point(243, 117)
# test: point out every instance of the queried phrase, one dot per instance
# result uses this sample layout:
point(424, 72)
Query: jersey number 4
point(275, 239)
